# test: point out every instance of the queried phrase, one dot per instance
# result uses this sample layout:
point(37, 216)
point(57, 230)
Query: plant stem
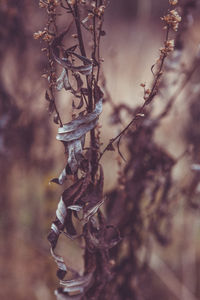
point(89, 87)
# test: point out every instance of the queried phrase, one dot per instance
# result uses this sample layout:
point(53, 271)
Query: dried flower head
point(47, 37)
point(172, 19)
point(147, 91)
point(39, 34)
point(99, 11)
point(42, 4)
point(71, 2)
point(173, 2)
point(169, 47)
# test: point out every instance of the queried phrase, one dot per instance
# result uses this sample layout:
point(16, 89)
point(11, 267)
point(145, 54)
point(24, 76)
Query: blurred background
point(30, 154)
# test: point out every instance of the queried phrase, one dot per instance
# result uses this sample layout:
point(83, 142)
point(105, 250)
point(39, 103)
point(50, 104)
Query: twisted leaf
point(77, 284)
point(63, 296)
point(73, 134)
point(85, 69)
point(63, 81)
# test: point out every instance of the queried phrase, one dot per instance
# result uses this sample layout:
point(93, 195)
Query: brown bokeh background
point(30, 156)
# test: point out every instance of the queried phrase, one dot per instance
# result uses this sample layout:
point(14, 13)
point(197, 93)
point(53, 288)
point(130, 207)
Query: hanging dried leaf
point(77, 284)
point(101, 242)
point(90, 210)
point(73, 125)
point(85, 69)
point(61, 178)
point(75, 207)
point(62, 269)
point(66, 199)
point(93, 200)
point(70, 228)
point(73, 134)
point(64, 296)
point(195, 167)
point(81, 201)
point(63, 81)
point(56, 119)
point(72, 48)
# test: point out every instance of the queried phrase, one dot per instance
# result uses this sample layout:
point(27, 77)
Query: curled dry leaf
point(103, 243)
point(78, 197)
point(85, 69)
point(61, 212)
point(61, 178)
point(78, 284)
point(63, 175)
point(73, 135)
point(63, 81)
point(75, 207)
point(59, 261)
point(74, 199)
point(60, 296)
point(81, 201)
point(56, 118)
point(195, 167)
point(73, 125)
point(90, 210)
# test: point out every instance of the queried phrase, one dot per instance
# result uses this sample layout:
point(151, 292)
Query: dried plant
point(84, 197)
point(111, 243)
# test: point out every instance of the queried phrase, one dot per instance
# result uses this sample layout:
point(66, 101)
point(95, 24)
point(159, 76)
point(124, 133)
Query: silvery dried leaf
point(61, 211)
point(60, 80)
point(59, 261)
point(85, 69)
point(61, 296)
point(195, 167)
point(73, 289)
point(80, 282)
point(74, 124)
point(73, 134)
point(74, 149)
point(75, 207)
point(76, 134)
point(56, 118)
point(103, 245)
point(66, 82)
point(71, 231)
point(61, 178)
point(89, 212)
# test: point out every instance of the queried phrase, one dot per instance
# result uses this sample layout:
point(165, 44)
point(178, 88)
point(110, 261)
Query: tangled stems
point(80, 203)
point(82, 200)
